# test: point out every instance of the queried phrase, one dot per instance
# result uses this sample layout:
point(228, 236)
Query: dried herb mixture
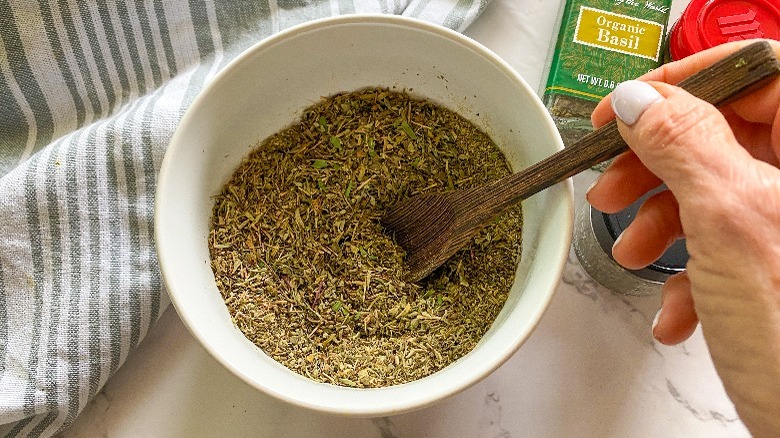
point(307, 272)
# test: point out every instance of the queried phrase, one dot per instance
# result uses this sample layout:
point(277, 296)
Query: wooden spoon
point(432, 227)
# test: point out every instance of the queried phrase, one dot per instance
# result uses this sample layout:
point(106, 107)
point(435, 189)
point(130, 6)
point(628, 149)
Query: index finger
point(761, 109)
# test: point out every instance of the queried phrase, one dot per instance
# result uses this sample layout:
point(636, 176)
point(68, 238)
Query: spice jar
point(708, 23)
point(595, 233)
point(600, 43)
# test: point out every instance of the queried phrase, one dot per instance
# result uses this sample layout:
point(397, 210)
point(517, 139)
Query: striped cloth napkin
point(90, 94)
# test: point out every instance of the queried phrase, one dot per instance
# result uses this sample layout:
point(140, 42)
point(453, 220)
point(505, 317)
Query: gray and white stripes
point(90, 93)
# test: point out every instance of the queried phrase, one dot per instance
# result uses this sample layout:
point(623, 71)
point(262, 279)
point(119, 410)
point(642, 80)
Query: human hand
point(721, 169)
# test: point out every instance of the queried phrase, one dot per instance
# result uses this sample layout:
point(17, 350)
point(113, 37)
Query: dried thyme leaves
point(308, 274)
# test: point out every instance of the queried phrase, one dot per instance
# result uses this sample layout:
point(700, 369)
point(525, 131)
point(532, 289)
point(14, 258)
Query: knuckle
point(683, 124)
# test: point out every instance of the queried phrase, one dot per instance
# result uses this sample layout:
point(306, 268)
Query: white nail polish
point(593, 184)
point(619, 238)
point(632, 98)
point(655, 320)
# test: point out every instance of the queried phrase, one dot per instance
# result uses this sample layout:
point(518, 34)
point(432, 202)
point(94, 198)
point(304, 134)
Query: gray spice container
point(595, 233)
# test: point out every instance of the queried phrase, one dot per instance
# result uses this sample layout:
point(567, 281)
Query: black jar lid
point(607, 228)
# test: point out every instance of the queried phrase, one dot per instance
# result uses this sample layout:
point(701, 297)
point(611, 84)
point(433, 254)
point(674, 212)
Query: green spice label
point(604, 42)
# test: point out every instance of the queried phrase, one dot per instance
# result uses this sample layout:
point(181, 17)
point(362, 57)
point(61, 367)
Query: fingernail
point(617, 241)
point(655, 320)
point(631, 98)
point(655, 323)
point(590, 187)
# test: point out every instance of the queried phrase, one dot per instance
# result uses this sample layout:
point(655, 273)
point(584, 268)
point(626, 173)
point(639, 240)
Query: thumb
point(683, 140)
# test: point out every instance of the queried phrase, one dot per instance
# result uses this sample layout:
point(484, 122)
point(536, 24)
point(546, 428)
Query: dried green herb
point(306, 270)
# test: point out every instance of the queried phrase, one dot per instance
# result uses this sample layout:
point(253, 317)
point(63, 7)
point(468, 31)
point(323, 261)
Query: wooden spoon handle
point(732, 77)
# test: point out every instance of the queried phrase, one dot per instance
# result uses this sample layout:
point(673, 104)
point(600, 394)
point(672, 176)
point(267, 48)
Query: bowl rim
point(397, 406)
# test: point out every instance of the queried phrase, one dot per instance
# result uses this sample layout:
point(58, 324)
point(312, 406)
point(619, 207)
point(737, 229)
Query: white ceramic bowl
point(263, 91)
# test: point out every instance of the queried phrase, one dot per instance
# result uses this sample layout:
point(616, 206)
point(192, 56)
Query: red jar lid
point(707, 23)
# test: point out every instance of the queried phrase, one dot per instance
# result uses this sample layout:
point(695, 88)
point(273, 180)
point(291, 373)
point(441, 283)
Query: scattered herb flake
point(408, 130)
point(348, 191)
point(319, 164)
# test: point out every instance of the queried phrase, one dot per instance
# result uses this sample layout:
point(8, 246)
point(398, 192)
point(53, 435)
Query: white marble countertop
point(591, 368)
